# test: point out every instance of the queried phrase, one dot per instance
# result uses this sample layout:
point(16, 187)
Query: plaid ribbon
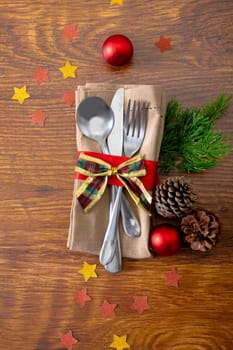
point(98, 171)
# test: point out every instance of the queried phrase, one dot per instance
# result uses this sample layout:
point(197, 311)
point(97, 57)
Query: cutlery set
point(118, 133)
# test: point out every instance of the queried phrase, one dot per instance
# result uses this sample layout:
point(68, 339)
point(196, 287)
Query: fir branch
point(189, 141)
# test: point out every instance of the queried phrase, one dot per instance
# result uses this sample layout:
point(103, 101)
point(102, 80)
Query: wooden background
point(38, 275)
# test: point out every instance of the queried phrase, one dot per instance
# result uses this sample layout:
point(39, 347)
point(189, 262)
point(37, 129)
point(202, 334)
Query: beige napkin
point(86, 232)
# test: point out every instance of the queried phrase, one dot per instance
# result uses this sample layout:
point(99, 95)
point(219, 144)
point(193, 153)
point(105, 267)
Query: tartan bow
point(98, 171)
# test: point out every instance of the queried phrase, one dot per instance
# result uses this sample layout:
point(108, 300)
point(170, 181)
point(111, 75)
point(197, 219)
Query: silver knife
point(115, 146)
point(110, 254)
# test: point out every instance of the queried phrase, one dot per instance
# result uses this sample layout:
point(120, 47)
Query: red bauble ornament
point(165, 239)
point(117, 50)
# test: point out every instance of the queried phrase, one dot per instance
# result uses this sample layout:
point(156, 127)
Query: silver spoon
point(96, 120)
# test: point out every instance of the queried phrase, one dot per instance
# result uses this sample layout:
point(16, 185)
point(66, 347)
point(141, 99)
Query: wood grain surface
point(38, 275)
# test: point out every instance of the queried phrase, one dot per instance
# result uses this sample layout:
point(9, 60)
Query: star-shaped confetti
point(38, 117)
point(68, 70)
point(68, 98)
point(88, 271)
point(119, 343)
point(81, 297)
point(172, 278)
point(41, 75)
point(20, 94)
point(107, 309)
point(118, 2)
point(67, 340)
point(164, 43)
point(70, 32)
point(140, 304)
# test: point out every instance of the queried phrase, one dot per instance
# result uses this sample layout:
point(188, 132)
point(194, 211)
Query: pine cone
point(174, 197)
point(201, 229)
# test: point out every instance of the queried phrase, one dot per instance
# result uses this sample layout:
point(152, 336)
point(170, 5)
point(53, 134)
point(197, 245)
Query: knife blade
point(115, 139)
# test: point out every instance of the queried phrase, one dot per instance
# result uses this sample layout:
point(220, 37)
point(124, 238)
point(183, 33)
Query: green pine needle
point(190, 143)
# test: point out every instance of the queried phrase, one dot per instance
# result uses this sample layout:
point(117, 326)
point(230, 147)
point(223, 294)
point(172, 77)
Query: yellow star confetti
point(119, 343)
point(68, 70)
point(20, 94)
point(88, 271)
point(119, 2)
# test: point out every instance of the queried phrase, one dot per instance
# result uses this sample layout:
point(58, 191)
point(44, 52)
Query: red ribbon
point(149, 180)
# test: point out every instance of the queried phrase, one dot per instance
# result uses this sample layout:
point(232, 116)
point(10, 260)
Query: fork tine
point(137, 120)
point(143, 121)
point(126, 121)
point(132, 120)
point(134, 132)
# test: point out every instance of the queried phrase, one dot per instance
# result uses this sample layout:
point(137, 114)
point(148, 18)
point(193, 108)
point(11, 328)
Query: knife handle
point(131, 229)
point(115, 265)
point(110, 254)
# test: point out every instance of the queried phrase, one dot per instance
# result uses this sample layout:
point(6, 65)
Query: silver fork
point(134, 131)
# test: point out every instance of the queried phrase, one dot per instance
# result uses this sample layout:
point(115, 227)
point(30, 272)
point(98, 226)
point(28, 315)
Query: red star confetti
point(41, 75)
point(38, 117)
point(164, 43)
point(20, 94)
point(81, 297)
point(119, 343)
point(172, 278)
point(70, 32)
point(68, 98)
point(140, 304)
point(107, 309)
point(67, 340)
point(88, 271)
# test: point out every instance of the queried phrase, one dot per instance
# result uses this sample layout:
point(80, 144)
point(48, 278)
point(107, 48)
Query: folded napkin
point(87, 230)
